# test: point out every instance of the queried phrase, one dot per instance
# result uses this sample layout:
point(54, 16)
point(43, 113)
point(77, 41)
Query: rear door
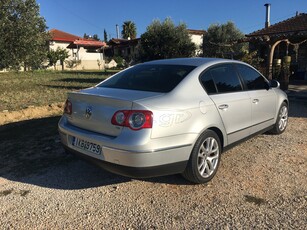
point(263, 99)
point(225, 89)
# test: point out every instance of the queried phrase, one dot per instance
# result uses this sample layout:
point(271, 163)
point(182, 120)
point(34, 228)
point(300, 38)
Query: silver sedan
point(171, 116)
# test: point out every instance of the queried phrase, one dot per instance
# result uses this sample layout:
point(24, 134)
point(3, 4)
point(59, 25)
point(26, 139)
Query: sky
point(93, 16)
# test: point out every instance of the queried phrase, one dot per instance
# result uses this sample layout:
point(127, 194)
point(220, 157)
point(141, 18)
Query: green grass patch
point(24, 89)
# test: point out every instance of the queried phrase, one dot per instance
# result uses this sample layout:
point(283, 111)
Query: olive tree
point(221, 40)
point(166, 40)
point(59, 54)
point(23, 35)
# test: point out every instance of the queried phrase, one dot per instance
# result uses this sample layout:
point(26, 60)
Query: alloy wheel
point(283, 118)
point(208, 157)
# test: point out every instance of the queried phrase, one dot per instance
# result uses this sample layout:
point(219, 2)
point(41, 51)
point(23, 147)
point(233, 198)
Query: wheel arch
point(220, 135)
point(284, 100)
point(192, 170)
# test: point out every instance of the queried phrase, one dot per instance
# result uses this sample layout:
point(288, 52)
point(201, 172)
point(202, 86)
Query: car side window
point(252, 79)
point(208, 83)
point(221, 79)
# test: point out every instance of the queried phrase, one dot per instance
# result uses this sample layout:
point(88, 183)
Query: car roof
point(191, 61)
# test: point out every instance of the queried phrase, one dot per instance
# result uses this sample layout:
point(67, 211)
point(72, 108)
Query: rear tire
point(205, 158)
point(282, 120)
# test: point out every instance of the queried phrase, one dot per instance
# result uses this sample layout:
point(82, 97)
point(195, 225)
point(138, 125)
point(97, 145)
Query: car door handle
point(223, 107)
point(255, 101)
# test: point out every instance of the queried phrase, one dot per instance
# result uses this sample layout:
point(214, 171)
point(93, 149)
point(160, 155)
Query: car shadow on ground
point(80, 174)
point(31, 152)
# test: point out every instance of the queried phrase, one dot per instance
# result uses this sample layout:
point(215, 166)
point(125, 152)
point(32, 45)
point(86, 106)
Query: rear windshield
point(154, 78)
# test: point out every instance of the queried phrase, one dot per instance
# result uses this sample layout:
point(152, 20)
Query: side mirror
point(274, 84)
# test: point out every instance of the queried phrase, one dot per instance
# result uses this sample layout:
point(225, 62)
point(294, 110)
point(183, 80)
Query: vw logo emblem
point(88, 112)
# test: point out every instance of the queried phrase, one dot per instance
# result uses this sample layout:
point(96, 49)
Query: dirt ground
point(31, 113)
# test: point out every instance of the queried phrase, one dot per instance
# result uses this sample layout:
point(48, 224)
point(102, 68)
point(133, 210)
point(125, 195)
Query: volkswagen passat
point(171, 116)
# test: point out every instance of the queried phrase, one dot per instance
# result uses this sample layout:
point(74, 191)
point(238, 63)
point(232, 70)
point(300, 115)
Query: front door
point(263, 99)
point(263, 109)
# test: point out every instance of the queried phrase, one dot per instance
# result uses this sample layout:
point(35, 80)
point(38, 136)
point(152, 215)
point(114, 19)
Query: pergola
point(87, 44)
point(287, 38)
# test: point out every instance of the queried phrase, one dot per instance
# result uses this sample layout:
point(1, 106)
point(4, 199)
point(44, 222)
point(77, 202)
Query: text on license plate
point(86, 145)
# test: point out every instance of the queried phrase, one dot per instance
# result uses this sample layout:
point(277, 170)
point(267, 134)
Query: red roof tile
point(87, 43)
point(196, 32)
point(58, 35)
point(292, 25)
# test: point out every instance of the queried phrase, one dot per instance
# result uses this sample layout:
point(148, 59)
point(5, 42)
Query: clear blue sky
point(93, 16)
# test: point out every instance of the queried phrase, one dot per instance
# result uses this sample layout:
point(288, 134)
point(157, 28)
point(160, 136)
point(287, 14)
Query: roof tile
point(295, 24)
point(58, 35)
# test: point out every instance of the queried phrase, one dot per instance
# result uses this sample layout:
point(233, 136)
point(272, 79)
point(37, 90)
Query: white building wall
point(89, 61)
point(83, 55)
point(53, 45)
point(198, 41)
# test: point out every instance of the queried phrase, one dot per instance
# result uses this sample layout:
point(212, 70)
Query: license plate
point(86, 145)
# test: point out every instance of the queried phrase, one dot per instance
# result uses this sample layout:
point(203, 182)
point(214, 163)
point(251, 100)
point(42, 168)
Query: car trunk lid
point(93, 108)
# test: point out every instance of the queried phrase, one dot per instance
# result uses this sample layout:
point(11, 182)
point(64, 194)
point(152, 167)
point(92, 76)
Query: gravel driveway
point(261, 183)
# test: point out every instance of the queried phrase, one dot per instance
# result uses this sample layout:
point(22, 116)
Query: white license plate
point(86, 145)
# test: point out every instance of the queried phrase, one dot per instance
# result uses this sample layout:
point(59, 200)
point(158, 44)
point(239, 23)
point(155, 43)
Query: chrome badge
point(88, 112)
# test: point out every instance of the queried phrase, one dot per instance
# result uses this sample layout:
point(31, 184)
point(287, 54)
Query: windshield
point(154, 78)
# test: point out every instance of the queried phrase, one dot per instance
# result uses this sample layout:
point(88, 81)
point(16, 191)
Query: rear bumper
point(134, 172)
point(155, 158)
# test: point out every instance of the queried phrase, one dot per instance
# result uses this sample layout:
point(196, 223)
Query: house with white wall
point(128, 48)
point(86, 51)
point(197, 38)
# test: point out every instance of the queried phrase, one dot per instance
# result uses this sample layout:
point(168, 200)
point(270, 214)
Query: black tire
point(282, 120)
point(205, 159)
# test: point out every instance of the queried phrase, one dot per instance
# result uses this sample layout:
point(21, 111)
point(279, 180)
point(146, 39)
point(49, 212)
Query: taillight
point(68, 107)
point(134, 119)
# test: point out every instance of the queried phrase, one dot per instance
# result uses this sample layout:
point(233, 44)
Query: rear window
point(154, 78)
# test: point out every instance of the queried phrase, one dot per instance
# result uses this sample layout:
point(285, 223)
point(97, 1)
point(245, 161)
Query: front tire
point(282, 120)
point(205, 158)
